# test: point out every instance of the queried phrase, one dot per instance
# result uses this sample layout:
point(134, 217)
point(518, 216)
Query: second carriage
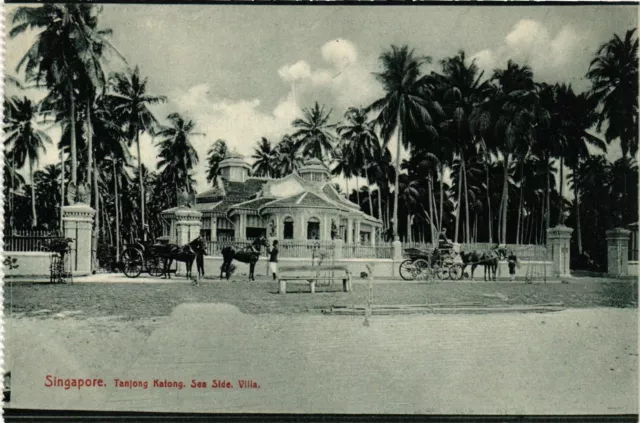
point(427, 264)
point(141, 257)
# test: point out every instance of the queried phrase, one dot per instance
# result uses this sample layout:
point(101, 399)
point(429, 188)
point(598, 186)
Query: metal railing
point(29, 241)
point(378, 251)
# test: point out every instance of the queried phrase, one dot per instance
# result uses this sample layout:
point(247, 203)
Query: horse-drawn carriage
point(142, 256)
point(156, 258)
point(425, 264)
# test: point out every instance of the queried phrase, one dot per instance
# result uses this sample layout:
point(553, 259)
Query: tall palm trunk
point(431, 222)
point(74, 157)
point(347, 182)
point(96, 201)
point(408, 227)
point(547, 194)
point(577, 205)
point(379, 203)
point(466, 198)
point(489, 202)
point(518, 235)
point(561, 205)
point(358, 190)
point(441, 220)
point(458, 206)
point(141, 181)
point(505, 200)
point(89, 146)
point(61, 187)
point(117, 199)
point(366, 175)
point(34, 217)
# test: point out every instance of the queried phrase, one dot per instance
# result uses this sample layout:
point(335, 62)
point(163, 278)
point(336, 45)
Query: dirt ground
point(571, 362)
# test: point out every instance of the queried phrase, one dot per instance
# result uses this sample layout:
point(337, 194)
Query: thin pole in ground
point(367, 309)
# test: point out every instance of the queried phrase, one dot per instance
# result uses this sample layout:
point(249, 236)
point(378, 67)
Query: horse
point(249, 255)
point(185, 254)
point(489, 259)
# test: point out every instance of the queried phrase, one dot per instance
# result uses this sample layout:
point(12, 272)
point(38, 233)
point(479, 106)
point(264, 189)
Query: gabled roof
point(331, 192)
point(254, 204)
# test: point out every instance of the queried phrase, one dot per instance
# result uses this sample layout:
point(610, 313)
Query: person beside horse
point(489, 259)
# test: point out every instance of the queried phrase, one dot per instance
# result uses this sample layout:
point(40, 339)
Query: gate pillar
point(618, 252)
point(558, 247)
point(77, 222)
point(188, 223)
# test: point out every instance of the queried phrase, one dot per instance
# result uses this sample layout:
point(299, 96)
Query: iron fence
point(29, 241)
point(378, 251)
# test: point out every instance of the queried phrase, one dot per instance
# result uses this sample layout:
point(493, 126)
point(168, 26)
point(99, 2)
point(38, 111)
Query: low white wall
point(384, 268)
point(633, 268)
point(29, 263)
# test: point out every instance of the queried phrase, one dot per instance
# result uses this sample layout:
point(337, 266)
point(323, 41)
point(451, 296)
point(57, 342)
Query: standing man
point(273, 260)
point(513, 261)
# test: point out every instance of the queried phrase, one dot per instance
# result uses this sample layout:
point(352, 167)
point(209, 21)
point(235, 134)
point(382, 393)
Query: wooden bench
point(313, 275)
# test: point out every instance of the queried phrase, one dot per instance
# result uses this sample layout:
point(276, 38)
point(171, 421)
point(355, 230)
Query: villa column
point(356, 235)
point(373, 236)
point(214, 227)
point(303, 228)
point(349, 230)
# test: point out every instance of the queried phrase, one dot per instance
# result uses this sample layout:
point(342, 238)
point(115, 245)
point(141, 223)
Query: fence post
point(337, 249)
point(77, 220)
point(618, 252)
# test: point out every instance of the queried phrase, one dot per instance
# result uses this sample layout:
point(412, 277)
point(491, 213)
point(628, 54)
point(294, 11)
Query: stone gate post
point(188, 224)
point(77, 223)
point(618, 252)
point(559, 249)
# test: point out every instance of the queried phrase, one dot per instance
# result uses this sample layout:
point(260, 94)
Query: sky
point(243, 72)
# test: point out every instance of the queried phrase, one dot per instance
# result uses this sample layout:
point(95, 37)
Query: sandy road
point(575, 361)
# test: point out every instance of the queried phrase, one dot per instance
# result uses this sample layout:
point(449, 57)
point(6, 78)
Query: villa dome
point(314, 170)
point(234, 167)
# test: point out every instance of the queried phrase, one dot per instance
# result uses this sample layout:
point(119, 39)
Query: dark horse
point(249, 255)
point(489, 259)
point(185, 254)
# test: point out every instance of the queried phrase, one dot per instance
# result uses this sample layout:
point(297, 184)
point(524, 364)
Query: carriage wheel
point(407, 270)
point(132, 261)
point(443, 273)
point(421, 269)
point(455, 272)
point(155, 267)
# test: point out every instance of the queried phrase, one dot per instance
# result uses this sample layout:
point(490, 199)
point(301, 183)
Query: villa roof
point(254, 204)
point(240, 191)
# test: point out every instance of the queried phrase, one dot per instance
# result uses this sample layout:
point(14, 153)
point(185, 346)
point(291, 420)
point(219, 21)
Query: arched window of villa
point(313, 228)
point(288, 228)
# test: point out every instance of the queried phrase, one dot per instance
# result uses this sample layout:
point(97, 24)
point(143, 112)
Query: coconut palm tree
point(216, 154)
point(463, 90)
point(407, 104)
point(47, 181)
point(362, 141)
point(63, 52)
point(344, 163)
point(288, 158)
point(26, 141)
point(264, 159)
point(177, 155)
point(313, 137)
point(614, 75)
point(130, 103)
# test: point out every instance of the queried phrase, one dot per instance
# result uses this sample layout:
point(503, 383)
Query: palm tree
point(362, 142)
point(407, 104)
point(313, 138)
point(287, 156)
point(62, 54)
point(343, 163)
point(614, 74)
point(130, 104)
point(25, 142)
point(177, 155)
point(463, 92)
point(216, 154)
point(264, 159)
point(46, 183)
